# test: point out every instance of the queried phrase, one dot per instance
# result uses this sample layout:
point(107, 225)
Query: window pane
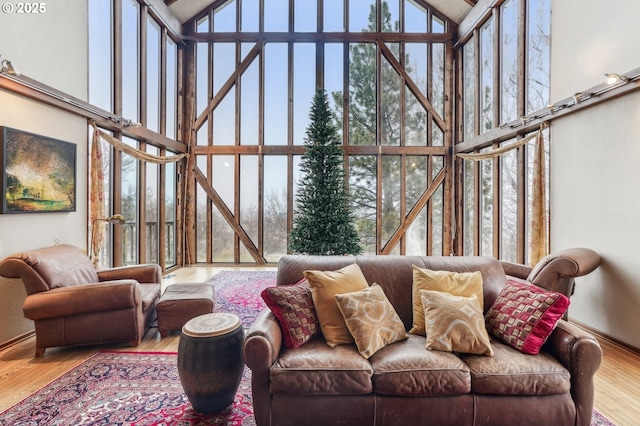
point(250, 15)
point(202, 77)
point(305, 18)
point(170, 215)
point(276, 15)
point(304, 86)
point(437, 77)
point(437, 25)
point(509, 61)
point(100, 53)
point(469, 88)
point(415, 121)
point(151, 209)
point(201, 214)
point(172, 90)
point(486, 76)
point(469, 207)
point(390, 196)
point(249, 111)
point(130, 55)
point(391, 16)
point(362, 94)
point(437, 208)
point(334, 80)
point(276, 94)
point(224, 18)
point(249, 199)
point(275, 207)
point(363, 184)
point(224, 119)
point(486, 208)
point(153, 75)
point(129, 201)
point(333, 15)
point(415, 18)
point(362, 15)
point(390, 104)
point(223, 235)
point(509, 205)
point(538, 53)
point(224, 64)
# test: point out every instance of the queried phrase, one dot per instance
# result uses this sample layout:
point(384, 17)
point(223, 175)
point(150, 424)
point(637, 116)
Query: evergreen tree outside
point(323, 222)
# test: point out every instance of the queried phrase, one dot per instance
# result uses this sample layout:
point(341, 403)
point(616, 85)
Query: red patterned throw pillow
point(293, 307)
point(523, 316)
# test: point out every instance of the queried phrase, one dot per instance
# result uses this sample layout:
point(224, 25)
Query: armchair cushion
point(81, 299)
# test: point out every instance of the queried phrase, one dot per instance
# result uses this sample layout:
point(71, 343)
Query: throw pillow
point(293, 307)
point(371, 319)
point(464, 284)
point(523, 315)
point(455, 323)
point(324, 286)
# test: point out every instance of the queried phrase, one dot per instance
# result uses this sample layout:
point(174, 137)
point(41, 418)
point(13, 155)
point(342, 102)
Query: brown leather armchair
point(73, 304)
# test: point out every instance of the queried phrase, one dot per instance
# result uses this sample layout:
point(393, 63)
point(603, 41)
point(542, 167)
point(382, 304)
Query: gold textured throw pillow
point(324, 286)
point(371, 319)
point(457, 283)
point(455, 323)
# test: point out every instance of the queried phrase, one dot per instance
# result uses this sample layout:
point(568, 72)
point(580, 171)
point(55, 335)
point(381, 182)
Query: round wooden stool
point(210, 360)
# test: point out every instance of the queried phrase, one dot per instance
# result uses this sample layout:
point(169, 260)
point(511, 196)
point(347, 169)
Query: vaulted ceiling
point(184, 10)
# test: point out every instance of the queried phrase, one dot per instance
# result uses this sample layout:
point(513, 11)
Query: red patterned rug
point(138, 388)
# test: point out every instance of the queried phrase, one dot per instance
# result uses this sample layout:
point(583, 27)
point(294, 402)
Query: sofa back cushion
point(395, 274)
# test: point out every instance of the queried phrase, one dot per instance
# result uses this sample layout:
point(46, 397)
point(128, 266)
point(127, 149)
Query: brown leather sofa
point(73, 304)
point(403, 383)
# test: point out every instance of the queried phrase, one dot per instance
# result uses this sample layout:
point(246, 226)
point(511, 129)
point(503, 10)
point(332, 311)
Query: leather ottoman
point(181, 302)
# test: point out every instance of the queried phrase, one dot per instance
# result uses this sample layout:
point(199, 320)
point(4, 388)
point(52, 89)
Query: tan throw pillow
point(457, 283)
point(371, 319)
point(455, 323)
point(324, 286)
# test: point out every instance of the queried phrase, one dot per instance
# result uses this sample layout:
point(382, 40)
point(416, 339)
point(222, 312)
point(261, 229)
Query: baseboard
point(610, 339)
point(17, 339)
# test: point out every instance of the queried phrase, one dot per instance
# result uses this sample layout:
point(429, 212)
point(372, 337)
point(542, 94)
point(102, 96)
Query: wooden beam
point(165, 17)
point(228, 216)
point(312, 37)
point(480, 11)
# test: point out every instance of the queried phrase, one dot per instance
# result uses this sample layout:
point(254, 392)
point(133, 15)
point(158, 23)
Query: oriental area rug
point(143, 388)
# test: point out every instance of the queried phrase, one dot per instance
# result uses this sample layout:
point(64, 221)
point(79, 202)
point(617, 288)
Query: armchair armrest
point(580, 353)
point(85, 298)
point(148, 273)
point(263, 342)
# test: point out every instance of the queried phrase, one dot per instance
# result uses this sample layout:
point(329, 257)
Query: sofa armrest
point(556, 272)
point(516, 270)
point(147, 273)
point(81, 299)
point(580, 353)
point(263, 342)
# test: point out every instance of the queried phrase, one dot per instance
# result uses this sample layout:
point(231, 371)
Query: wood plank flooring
point(617, 381)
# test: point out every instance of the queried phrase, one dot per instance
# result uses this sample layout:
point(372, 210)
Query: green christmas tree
point(324, 222)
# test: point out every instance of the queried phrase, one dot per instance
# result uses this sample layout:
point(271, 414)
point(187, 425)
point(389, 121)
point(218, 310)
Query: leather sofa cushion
point(316, 369)
point(510, 372)
point(408, 369)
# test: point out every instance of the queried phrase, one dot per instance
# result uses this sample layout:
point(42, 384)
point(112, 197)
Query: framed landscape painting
point(38, 173)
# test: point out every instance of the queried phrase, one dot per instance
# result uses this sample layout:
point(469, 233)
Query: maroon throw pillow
point(523, 316)
point(293, 307)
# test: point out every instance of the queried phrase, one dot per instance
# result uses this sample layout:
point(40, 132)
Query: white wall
point(51, 48)
point(595, 161)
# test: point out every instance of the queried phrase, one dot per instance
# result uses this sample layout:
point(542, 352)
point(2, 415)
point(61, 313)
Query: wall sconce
point(7, 67)
point(97, 245)
point(613, 78)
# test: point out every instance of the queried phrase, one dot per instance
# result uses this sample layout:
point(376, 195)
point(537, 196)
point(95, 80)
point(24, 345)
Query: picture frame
point(38, 173)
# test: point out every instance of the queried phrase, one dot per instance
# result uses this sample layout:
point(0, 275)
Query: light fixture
point(7, 67)
point(96, 245)
point(613, 78)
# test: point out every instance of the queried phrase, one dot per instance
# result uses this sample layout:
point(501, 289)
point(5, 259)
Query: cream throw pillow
point(324, 286)
point(455, 323)
point(457, 283)
point(371, 319)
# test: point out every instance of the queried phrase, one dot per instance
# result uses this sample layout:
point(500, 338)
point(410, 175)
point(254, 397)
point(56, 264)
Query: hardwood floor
point(617, 381)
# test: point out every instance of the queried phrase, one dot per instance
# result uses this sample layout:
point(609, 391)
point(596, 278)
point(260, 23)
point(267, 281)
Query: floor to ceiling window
point(505, 76)
point(134, 73)
point(383, 65)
